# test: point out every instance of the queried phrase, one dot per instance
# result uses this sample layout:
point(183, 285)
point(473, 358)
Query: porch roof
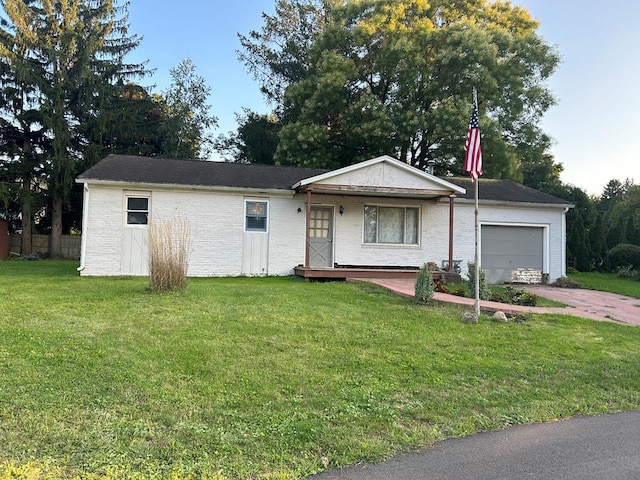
point(382, 176)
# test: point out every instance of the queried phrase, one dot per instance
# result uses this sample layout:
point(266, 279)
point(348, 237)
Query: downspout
point(563, 271)
point(307, 249)
point(85, 221)
point(451, 197)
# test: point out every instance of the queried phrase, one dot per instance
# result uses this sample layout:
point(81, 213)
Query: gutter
point(85, 215)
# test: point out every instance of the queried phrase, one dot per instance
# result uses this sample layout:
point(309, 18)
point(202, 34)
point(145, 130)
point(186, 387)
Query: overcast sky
point(594, 124)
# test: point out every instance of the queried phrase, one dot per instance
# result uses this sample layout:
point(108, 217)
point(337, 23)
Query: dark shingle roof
point(165, 171)
point(159, 171)
point(505, 191)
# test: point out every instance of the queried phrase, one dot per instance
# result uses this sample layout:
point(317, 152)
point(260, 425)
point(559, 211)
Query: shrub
point(628, 272)
point(566, 282)
point(624, 255)
point(439, 286)
point(424, 285)
point(485, 291)
point(169, 245)
point(521, 297)
point(460, 291)
point(515, 297)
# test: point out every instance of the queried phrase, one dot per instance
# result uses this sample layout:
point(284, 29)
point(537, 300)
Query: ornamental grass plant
point(169, 248)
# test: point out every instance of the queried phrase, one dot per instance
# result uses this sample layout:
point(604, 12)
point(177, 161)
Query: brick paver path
point(590, 304)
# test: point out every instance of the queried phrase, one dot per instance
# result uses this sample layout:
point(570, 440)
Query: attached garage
point(522, 231)
point(505, 248)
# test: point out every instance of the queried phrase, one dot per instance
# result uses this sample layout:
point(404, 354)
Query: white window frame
point(126, 210)
point(404, 242)
point(249, 201)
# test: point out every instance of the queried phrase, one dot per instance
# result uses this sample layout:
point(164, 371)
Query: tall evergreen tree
point(578, 246)
point(598, 243)
point(73, 55)
point(22, 136)
point(612, 194)
point(616, 234)
point(630, 230)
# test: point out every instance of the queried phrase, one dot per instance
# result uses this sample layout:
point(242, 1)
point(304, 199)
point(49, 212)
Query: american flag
point(473, 155)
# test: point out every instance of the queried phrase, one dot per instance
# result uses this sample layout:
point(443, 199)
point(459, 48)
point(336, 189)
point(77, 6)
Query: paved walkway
point(590, 304)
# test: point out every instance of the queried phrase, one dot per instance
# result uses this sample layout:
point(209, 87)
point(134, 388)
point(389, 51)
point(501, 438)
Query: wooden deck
point(342, 273)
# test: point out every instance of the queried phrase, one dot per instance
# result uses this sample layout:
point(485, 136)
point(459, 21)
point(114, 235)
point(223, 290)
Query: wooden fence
point(40, 243)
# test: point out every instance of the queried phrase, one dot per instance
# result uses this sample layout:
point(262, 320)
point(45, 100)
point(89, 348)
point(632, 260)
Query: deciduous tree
point(396, 76)
point(255, 141)
point(187, 115)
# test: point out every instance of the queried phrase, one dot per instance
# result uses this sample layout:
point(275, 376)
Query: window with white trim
point(137, 210)
point(391, 225)
point(256, 216)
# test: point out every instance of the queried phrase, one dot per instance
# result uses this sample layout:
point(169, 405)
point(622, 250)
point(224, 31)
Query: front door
point(321, 237)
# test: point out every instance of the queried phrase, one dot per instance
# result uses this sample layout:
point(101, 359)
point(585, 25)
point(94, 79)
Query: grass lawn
point(607, 282)
point(272, 378)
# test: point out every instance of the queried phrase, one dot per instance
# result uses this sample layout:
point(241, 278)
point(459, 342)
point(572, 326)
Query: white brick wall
point(350, 248)
point(103, 232)
point(286, 234)
point(217, 224)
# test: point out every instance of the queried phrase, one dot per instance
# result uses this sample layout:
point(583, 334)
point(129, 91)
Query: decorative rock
point(469, 317)
point(500, 317)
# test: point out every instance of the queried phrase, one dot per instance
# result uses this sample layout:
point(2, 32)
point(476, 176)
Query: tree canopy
point(354, 79)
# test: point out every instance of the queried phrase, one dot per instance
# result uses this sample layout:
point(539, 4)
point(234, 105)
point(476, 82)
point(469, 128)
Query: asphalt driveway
point(602, 447)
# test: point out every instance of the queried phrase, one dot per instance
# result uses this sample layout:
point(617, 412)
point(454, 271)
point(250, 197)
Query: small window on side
point(137, 210)
point(256, 216)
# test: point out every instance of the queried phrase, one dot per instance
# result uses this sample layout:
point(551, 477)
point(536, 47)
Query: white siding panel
point(134, 258)
point(255, 253)
point(382, 175)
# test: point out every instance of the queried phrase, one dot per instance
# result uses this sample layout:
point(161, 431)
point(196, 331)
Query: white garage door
point(506, 248)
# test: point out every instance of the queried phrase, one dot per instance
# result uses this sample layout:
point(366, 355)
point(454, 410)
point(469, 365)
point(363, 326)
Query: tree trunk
point(25, 242)
point(55, 247)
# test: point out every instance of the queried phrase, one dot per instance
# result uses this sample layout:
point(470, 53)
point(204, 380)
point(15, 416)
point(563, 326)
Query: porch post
point(307, 248)
point(451, 197)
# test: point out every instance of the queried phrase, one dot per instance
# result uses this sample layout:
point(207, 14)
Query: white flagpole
point(477, 229)
point(477, 260)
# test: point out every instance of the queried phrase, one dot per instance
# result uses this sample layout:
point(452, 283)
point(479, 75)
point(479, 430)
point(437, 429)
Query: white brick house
point(381, 215)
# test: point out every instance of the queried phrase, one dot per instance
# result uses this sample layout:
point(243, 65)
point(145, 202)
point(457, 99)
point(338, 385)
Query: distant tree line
point(604, 231)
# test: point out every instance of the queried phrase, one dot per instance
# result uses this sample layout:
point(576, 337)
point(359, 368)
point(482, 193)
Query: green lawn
point(607, 282)
point(272, 378)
